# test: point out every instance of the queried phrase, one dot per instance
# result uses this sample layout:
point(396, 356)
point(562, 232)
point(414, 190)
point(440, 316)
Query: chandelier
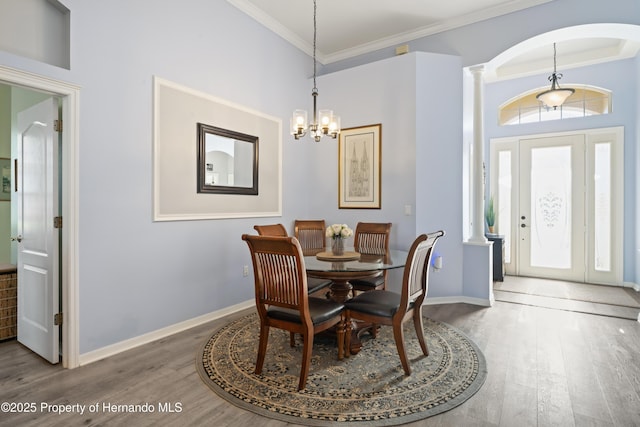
point(555, 96)
point(324, 122)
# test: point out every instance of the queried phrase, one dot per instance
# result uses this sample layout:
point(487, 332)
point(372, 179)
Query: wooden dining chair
point(389, 308)
point(315, 284)
point(311, 235)
point(371, 240)
point(282, 298)
point(271, 230)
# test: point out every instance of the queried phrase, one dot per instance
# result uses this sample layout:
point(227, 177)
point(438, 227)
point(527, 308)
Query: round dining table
point(350, 266)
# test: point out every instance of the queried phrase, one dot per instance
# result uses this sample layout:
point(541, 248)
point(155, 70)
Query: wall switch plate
point(245, 271)
point(407, 209)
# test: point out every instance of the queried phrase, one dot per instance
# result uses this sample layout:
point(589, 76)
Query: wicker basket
point(8, 305)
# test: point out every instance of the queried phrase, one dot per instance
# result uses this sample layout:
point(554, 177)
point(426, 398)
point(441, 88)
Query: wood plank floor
point(546, 368)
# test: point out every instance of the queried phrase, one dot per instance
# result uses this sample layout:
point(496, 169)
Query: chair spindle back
point(310, 235)
point(280, 277)
point(372, 238)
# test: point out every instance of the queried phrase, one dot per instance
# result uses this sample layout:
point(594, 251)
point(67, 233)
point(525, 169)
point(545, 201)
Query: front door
point(559, 201)
point(38, 240)
point(551, 212)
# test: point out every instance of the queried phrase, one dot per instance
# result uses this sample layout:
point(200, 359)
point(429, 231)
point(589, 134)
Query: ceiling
point(347, 28)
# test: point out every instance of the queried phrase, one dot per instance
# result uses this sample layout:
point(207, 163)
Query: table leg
point(340, 290)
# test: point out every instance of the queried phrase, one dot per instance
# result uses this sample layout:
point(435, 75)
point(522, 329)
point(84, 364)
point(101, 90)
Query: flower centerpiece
point(337, 233)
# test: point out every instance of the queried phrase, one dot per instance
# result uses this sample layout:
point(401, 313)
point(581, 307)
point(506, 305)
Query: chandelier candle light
point(555, 96)
point(323, 124)
point(338, 233)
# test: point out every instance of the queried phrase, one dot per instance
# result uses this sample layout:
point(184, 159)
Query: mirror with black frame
point(227, 161)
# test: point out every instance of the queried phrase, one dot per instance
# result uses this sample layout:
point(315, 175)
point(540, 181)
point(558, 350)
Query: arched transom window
point(525, 108)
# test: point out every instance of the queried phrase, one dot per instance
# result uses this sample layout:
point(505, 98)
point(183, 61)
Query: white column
point(477, 216)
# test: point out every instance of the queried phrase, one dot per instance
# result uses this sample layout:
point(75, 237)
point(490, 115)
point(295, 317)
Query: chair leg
point(398, 335)
point(340, 329)
point(292, 339)
point(417, 322)
point(262, 348)
point(306, 359)
point(347, 336)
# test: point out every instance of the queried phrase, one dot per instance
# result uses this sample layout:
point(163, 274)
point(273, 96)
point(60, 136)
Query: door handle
point(17, 239)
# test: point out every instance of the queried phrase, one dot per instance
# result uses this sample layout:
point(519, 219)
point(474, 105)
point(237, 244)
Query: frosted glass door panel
point(605, 213)
point(504, 201)
point(602, 208)
point(550, 236)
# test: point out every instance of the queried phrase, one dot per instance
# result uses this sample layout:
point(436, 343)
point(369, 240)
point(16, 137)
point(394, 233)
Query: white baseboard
point(458, 299)
point(634, 286)
point(113, 349)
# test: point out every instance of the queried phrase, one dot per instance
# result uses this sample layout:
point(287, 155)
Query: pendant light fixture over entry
point(554, 97)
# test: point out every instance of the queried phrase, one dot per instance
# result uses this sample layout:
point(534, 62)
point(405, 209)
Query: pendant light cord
point(314, 45)
point(553, 78)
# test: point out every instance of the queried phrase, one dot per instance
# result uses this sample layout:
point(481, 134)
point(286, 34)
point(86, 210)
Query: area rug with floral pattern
point(366, 389)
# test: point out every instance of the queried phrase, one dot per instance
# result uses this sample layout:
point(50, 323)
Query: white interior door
point(38, 239)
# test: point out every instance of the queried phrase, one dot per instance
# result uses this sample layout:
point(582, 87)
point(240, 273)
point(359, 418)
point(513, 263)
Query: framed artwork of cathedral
point(359, 167)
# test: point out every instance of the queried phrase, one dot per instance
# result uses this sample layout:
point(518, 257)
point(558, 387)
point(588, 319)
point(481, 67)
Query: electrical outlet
point(245, 271)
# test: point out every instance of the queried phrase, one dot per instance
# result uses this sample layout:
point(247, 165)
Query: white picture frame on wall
point(176, 111)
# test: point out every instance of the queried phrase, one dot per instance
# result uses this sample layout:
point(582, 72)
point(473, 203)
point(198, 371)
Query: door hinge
point(57, 222)
point(57, 125)
point(57, 319)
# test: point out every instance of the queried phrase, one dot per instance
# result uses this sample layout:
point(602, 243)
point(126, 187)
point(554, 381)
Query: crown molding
point(326, 58)
point(273, 25)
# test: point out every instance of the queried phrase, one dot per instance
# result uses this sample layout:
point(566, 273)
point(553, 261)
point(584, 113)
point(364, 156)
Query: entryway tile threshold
point(568, 305)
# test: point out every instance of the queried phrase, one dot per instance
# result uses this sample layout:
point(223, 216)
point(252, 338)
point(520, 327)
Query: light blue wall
point(382, 92)
point(621, 77)
point(478, 272)
point(156, 274)
point(421, 152)
point(439, 165)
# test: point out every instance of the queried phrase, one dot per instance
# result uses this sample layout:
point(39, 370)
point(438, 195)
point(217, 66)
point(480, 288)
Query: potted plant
point(490, 215)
